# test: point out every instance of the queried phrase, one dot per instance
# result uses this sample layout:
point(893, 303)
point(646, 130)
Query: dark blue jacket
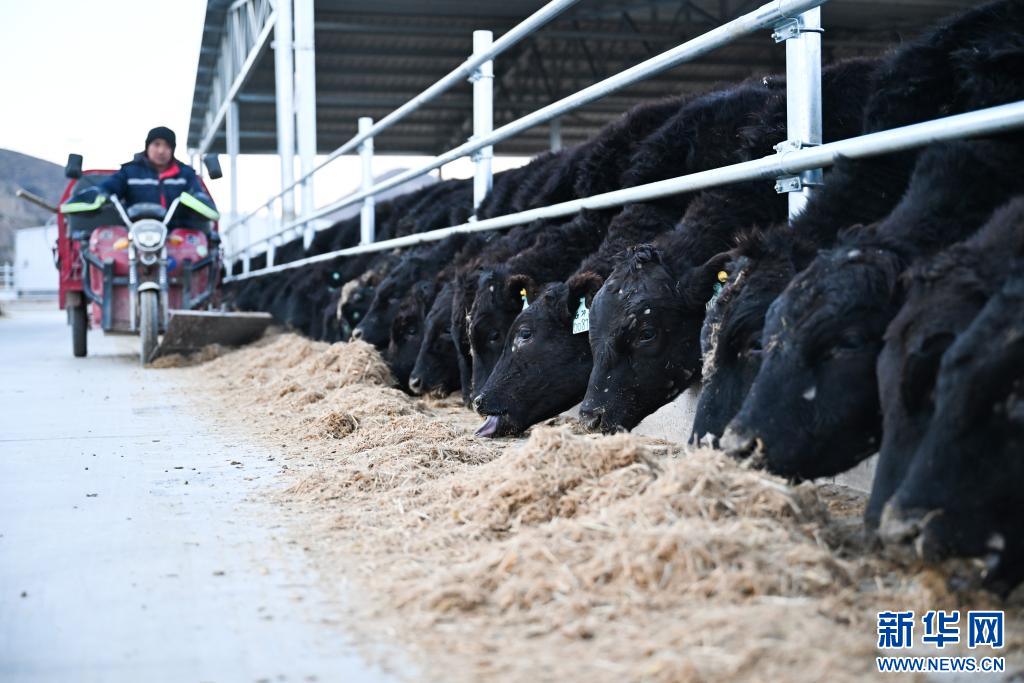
point(138, 181)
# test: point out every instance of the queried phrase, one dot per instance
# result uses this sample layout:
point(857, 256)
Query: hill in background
point(41, 177)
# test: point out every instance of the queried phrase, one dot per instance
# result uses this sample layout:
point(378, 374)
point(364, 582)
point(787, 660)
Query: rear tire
point(79, 330)
point(149, 324)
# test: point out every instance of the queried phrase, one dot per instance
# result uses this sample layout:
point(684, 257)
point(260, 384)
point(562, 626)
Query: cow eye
point(647, 334)
point(851, 341)
point(525, 333)
point(493, 337)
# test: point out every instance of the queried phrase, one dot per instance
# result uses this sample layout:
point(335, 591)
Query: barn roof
point(373, 56)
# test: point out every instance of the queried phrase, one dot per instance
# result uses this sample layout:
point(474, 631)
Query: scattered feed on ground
point(567, 556)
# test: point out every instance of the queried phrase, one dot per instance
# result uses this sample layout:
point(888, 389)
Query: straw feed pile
point(566, 556)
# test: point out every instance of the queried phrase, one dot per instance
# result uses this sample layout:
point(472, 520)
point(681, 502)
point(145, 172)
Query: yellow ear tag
point(723, 277)
point(522, 293)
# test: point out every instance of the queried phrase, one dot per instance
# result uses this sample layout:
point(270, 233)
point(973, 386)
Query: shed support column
point(284, 74)
point(231, 135)
point(803, 101)
point(232, 143)
point(367, 228)
point(305, 95)
point(483, 117)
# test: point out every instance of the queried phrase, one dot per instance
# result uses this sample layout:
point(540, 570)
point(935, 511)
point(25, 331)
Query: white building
point(34, 270)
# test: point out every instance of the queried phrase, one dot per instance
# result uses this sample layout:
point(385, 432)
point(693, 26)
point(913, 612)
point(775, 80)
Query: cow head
point(962, 494)
point(644, 337)
point(758, 269)
point(463, 293)
point(500, 296)
point(813, 409)
point(436, 370)
point(543, 368)
point(375, 327)
point(943, 296)
point(356, 296)
point(407, 331)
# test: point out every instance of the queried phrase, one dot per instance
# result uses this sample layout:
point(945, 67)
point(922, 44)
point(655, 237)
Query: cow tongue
point(489, 427)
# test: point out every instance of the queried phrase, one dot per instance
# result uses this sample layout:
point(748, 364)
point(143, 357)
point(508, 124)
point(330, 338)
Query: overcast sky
point(93, 76)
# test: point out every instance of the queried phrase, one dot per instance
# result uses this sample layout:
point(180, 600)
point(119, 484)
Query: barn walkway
point(131, 545)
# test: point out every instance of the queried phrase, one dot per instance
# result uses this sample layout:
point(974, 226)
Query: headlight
point(149, 234)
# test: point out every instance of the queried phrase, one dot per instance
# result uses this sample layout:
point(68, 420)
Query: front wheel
point(149, 323)
point(79, 329)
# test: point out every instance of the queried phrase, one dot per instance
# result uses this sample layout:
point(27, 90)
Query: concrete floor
point(134, 544)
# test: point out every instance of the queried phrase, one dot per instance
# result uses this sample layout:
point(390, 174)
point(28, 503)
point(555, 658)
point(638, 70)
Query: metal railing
point(794, 21)
point(465, 71)
point(796, 167)
point(784, 164)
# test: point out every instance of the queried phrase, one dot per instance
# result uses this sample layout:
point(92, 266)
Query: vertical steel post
point(284, 75)
point(305, 97)
point(367, 229)
point(483, 116)
point(555, 134)
point(803, 99)
point(247, 237)
point(231, 138)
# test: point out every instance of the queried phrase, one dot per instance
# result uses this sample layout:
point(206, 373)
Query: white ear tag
point(581, 323)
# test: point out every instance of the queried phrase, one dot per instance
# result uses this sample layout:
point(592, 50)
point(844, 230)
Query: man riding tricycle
point(136, 243)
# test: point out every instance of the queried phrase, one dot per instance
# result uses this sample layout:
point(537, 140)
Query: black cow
point(664, 303)
point(516, 395)
point(436, 368)
point(416, 265)
point(964, 490)
point(555, 253)
point(813, 409)
point(407, 331)
point(962, 65)
point(944, 294)
point(440, 357)
point(710, 127)
point(761, 265)
point(357, 294)
point(594, 167)
point(522, 397)
point(698, 134)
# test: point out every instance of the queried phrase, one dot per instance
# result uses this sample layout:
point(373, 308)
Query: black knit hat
point(162, 133)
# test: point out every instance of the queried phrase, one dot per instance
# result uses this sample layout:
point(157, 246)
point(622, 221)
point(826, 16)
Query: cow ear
point(521, 291)
point(701, 284)
point(920, 367)
point(583, 286)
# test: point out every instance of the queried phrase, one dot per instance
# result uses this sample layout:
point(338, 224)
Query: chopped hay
point(566, 556)
point(182, 360)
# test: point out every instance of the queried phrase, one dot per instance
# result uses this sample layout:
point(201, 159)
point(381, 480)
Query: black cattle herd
point(887, 317)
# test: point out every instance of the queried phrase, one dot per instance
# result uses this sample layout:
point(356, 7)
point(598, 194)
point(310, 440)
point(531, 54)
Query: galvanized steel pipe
point(483, 116)
point(803, 99)
point(989, 121)
point(765, 16)
point(367, 217)
point(458, 75)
